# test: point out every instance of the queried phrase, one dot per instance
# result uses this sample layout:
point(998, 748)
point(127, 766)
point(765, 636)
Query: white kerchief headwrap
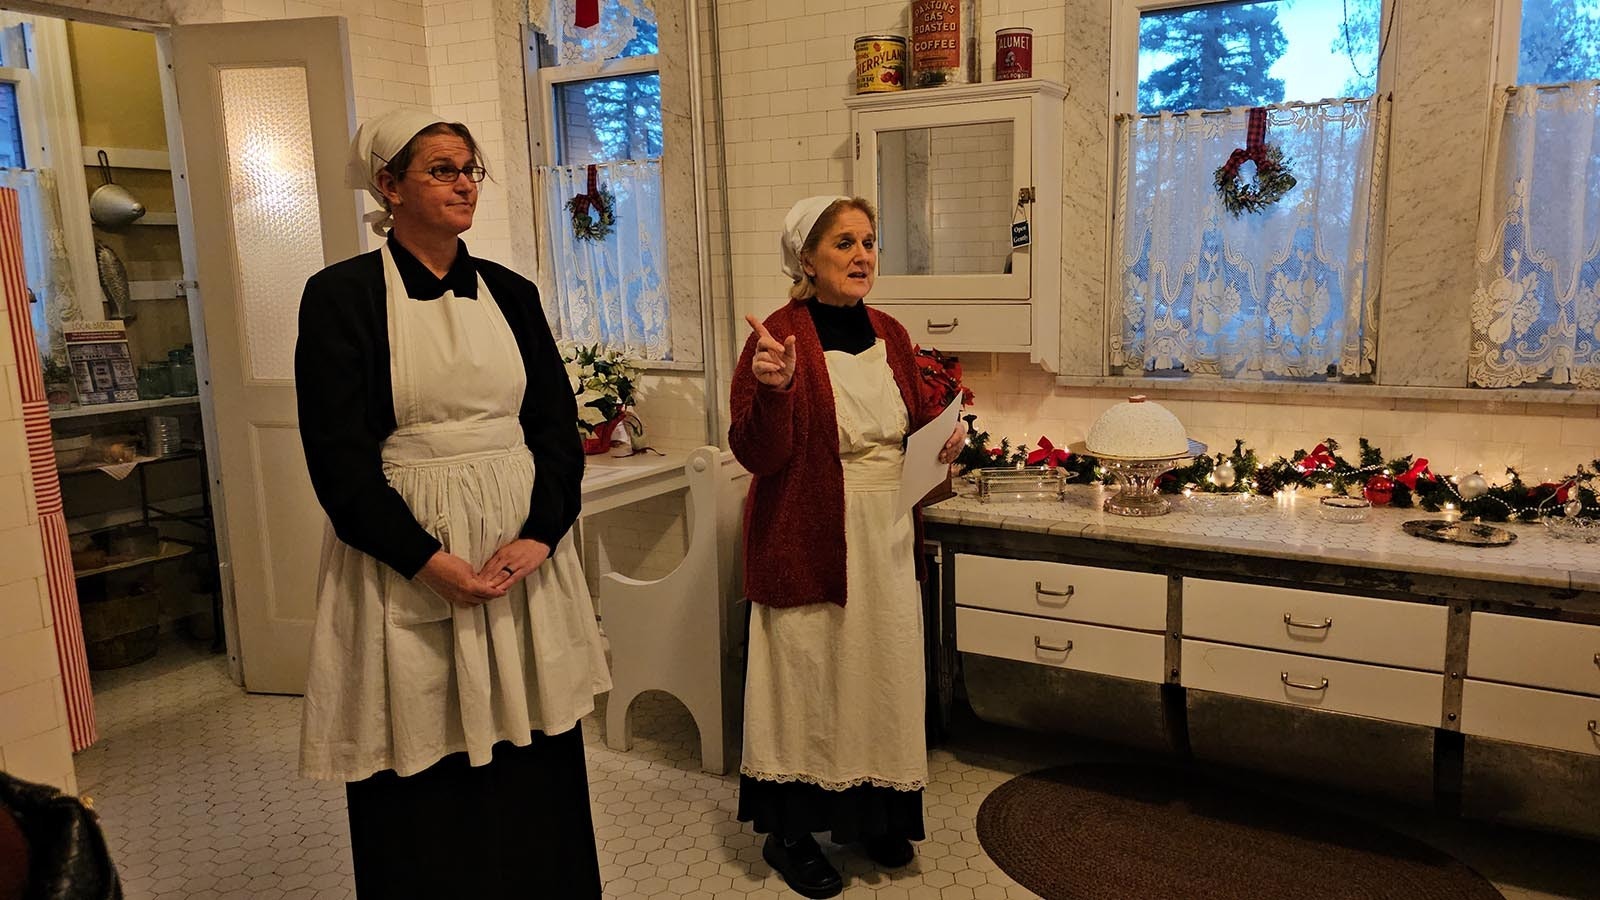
point(797, 227)
point(377, 141)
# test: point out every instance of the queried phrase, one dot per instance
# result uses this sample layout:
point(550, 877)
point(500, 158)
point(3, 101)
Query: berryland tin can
point(1013, 54)
point(880, 63)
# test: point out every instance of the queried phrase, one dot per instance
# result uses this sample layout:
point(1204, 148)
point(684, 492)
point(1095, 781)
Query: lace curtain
point(1535, 309)
point(1289, 292)
point(611, 292)
point(44, 251)
point(593, 45)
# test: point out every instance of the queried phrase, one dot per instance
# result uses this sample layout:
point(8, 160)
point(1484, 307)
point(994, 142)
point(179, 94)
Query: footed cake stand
point(1137, 476)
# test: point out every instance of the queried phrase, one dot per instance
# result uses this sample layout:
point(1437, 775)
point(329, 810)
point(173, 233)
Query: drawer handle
point(1289, 621)
point(1284, 677)
point(943, 327)
point(1039, 644)
point(1040, 590)
point(1597, 660)
point(1594, 727)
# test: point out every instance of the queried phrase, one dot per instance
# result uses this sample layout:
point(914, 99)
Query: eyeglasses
point(449, 174)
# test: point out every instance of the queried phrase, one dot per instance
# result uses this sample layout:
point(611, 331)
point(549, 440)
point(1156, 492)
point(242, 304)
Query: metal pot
point(111, 204)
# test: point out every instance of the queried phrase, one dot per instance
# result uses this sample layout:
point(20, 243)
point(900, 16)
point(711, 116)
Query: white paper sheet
point(922, 472)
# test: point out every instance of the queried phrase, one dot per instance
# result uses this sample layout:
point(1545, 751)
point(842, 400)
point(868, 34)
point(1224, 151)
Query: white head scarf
point(377, 141)
point(797, 227)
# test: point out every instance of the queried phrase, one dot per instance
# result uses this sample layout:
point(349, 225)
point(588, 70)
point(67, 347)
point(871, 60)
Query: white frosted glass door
point(267, 113)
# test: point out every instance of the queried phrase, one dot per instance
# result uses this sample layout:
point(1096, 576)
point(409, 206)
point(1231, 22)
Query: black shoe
point(889, 852)
point(803, 867)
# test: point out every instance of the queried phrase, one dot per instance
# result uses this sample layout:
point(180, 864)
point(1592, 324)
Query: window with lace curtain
point(20, 170)
point(1286, 292)
point(599, 105)
point(1536, 306)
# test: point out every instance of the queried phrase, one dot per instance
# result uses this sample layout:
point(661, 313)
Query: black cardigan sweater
point(346, 401)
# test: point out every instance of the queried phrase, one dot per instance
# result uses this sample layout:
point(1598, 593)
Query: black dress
point(796, 809)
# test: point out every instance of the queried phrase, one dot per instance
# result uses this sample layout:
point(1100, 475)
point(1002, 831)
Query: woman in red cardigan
point(823, 398)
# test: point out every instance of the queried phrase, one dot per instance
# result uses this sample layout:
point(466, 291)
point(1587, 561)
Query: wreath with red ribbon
point(1272, 179)
point(598, 198)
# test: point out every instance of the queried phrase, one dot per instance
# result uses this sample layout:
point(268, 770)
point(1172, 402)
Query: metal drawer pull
point(1039, 590)
point(1289, 621)
point(1597, 659)
point(1039, 644)
point(1284, 677)
point(1594, 728)
point(943, 327)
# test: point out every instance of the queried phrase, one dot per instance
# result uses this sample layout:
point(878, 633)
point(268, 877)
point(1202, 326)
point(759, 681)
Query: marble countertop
point(1291, 530)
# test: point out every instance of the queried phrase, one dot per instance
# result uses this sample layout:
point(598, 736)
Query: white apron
point(399, 677)
point(834, 695)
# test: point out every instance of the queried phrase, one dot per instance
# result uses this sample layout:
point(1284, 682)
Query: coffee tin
point(1013, 54)
point(936, 43)
point(880, 63)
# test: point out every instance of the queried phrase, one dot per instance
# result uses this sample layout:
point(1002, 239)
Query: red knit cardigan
point(794, 552)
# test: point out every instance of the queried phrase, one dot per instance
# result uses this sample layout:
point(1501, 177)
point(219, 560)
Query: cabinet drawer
point(1065, 645)
point(1059, 591)
point(1535, 652)
point(1399, 695)
point(1528, 716)
point(1387, 632)
point(965, 326)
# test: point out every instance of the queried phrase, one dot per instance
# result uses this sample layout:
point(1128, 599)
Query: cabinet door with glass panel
point(967, 184)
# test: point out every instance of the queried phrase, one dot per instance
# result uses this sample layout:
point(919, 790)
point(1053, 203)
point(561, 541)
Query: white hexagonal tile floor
point(196, 785)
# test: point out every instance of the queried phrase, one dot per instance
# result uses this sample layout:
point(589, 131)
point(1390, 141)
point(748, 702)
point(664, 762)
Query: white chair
point(674, 634)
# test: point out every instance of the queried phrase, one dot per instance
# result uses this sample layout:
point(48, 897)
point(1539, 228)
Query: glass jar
point(155, 380)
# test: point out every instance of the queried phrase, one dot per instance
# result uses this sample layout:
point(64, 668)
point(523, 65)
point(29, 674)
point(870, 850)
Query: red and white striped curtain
point(46, 484)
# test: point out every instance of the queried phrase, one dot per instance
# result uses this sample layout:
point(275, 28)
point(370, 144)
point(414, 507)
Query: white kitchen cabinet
point(951, 171)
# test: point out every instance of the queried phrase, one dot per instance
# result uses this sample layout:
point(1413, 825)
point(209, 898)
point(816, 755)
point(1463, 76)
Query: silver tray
point(1027, 483)
point(1583, 531)
point(1229, 504)
point(1472, 534)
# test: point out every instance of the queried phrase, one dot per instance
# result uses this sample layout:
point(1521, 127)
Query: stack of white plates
point(164, 437)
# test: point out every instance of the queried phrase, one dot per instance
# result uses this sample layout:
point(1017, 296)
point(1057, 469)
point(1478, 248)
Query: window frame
point(551, 77)
point(1123, 100)
point(25, 79)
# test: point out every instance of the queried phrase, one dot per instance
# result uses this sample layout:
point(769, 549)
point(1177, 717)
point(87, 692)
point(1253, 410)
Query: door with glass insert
point(267, 112)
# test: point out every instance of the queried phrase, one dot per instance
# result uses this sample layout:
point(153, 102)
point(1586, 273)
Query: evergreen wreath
point(602, 201)
point(1273, 178)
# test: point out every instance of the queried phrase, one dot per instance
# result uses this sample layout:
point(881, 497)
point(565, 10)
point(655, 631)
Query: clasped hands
point(454, 579)
point(774, 363)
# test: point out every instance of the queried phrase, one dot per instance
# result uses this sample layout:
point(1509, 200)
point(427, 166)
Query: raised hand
point(452, 578)
point(773, 363)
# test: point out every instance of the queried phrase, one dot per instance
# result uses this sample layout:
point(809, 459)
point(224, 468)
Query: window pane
point(609, 119)
point(1560, 41)
point(645, 40)
point(11, 156)
point(1251, 54)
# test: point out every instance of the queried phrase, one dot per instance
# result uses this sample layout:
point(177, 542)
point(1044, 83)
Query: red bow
point(1255, 147)
point(1419, 469)
point(996, 452)
point(1319, 458)
point(1048, 453)
point(1563, 490)
point(587, 14)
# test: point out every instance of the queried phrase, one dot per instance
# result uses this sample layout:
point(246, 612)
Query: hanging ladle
point(111, 205)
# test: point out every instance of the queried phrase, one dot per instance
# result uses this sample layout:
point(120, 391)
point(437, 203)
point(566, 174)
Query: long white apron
point(399, 677)
point(834, 695)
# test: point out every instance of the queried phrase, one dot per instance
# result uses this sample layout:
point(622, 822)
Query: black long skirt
point(794, 809)
point(518, 827)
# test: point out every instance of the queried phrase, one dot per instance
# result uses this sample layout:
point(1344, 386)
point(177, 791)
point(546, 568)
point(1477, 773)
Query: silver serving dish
point(1026, 483)
point(1138, 496)
point(1472, 534)
point(1583, 531)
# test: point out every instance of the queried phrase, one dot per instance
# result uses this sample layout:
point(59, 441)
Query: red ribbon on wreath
point(582, 202)
point(1255, 145)
point(587, 15)
point(1318, 458)
point(1418, 470)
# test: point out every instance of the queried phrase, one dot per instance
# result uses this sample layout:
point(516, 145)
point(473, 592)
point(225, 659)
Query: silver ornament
point(1573, 508)
point(1223, 475)
point(1472, 487)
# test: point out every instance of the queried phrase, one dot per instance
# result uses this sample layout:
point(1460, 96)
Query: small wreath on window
point(587, 227)
point(1273, 178)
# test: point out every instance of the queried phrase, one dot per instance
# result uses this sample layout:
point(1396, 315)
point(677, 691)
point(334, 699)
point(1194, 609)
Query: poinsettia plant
point(605, 382)
point(940, 379)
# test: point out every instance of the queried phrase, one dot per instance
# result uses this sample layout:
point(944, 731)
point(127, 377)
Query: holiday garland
point(1272, 180)
point(1402, 482)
